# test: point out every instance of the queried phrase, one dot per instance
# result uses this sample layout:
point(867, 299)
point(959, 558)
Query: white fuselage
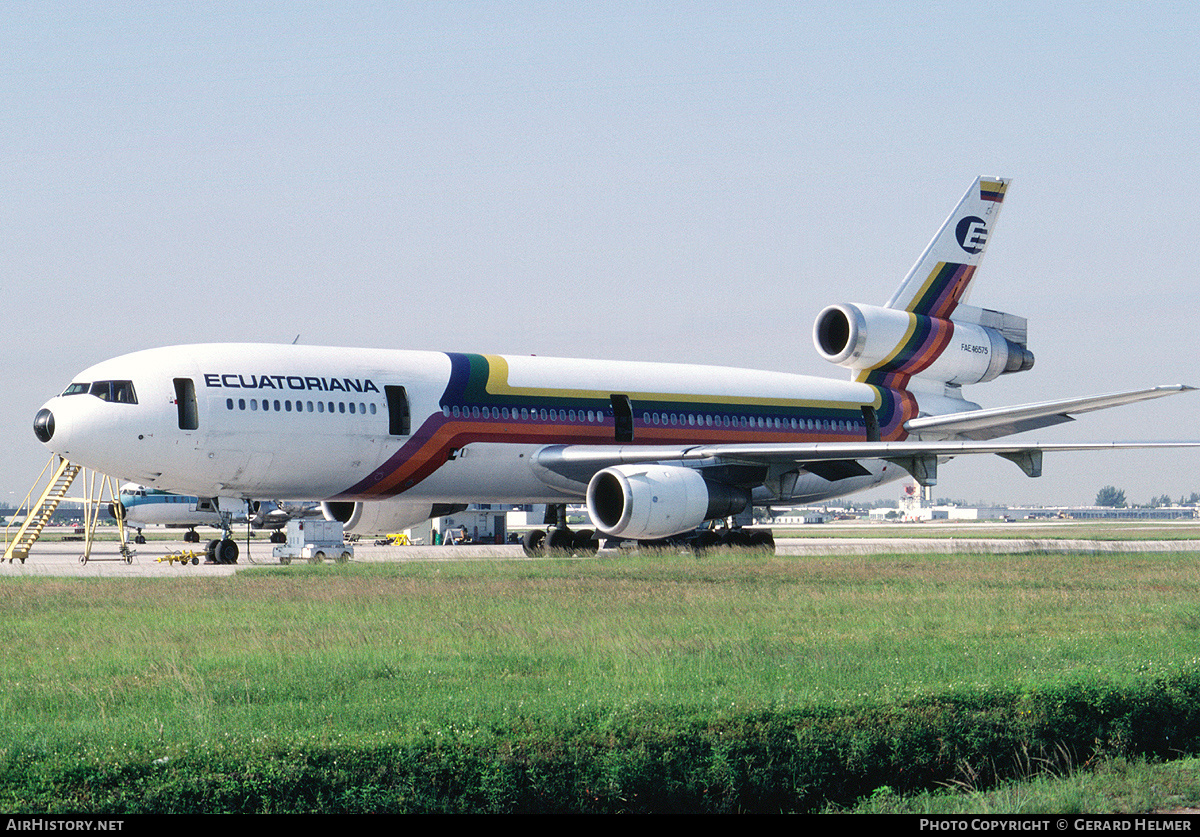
point(317, 423)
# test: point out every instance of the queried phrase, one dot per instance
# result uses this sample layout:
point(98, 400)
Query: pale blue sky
point(674, 181)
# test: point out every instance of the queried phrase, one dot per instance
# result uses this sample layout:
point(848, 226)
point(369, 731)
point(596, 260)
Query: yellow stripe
point(497, 384)
point(912, 326)
point(924, 289)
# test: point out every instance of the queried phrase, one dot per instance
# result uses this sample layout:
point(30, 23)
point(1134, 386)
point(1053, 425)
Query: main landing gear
point(731, 538)
point(558, 539)
point(541, 542)
point(190, 536)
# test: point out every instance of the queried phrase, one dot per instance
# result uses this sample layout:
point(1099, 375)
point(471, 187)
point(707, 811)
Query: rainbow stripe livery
point(384, 439)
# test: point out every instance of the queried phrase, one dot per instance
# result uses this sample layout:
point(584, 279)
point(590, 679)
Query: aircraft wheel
point(534, 543)
point(226, 551)
point(585, 542)
point(762, 539)
point(736, 538)
point(559, 540)
point(317, 558)
point(210, 552)
point(139, 539)
point(343, 558)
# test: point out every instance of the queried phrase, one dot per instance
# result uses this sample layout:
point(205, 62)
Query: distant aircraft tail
point(941, 278)
point(926, 330)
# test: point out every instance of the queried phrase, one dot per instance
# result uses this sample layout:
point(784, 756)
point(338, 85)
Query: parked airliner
point(386, 439)
point(140, 506)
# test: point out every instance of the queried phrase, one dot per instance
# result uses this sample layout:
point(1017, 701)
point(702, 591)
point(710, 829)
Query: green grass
point(1115, 786)
point(364, 654)
point(1045, 529)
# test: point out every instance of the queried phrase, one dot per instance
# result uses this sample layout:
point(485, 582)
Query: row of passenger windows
point(524, 414)
point(286, 406)
point(660, 419)
point(751, 422)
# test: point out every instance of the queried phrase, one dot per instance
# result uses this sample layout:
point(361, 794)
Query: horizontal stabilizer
point(980, 425)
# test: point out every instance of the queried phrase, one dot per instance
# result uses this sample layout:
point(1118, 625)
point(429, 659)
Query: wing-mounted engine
point(384, 516)
point(973, 346)
point(647, 502)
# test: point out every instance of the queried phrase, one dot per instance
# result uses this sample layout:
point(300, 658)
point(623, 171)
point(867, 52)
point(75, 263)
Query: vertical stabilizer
point(941, 278)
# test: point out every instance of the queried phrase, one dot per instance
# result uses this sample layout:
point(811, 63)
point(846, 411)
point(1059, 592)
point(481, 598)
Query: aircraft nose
point(43, 425)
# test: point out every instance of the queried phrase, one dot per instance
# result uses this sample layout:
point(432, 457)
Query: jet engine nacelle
point(260, 512)
point(647, 502)
point(891, 340)
point(384, 516)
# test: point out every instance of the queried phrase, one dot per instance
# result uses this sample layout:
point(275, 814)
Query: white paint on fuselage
point(321, 450)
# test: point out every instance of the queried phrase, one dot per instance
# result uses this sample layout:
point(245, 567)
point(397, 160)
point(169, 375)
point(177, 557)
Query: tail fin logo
point(972, 234)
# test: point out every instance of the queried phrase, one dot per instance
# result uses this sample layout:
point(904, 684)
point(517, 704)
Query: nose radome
point(43, 425)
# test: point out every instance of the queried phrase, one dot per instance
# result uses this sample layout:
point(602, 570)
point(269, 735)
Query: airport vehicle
point(394, 539)
point(314, 541)
point(386, 439)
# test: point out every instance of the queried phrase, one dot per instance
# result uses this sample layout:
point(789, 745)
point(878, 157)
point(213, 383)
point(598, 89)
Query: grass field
point(369, 653)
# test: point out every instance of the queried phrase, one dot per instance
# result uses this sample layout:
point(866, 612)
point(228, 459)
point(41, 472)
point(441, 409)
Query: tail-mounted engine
point(646, 502)
point(976, 345)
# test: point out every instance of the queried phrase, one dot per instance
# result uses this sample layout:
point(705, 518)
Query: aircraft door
point(185, 402)
point(622, 417)
point(399, 412)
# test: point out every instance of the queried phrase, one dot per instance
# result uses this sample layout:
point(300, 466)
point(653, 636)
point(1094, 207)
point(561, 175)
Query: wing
point(1004, 421)
point(840, 460)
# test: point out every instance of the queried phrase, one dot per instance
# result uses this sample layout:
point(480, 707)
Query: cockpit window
point(120, 392)
point(77, 389)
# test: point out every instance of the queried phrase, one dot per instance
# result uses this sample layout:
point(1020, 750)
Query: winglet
point(941, 278)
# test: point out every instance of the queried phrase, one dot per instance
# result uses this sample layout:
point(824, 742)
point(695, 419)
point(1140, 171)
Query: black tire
point(737, 538)
point(210, 552)
point(762, 539)
point(585, 542)
point(226, 551)
point(534, 543)
point(559, 541)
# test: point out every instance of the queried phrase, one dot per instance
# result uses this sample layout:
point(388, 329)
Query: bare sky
point(666, 181)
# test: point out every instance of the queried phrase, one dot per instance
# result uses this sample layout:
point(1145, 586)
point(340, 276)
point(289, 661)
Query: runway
point(51, 558)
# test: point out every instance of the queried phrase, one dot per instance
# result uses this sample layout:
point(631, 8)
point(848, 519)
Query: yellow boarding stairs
point(38, 514)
